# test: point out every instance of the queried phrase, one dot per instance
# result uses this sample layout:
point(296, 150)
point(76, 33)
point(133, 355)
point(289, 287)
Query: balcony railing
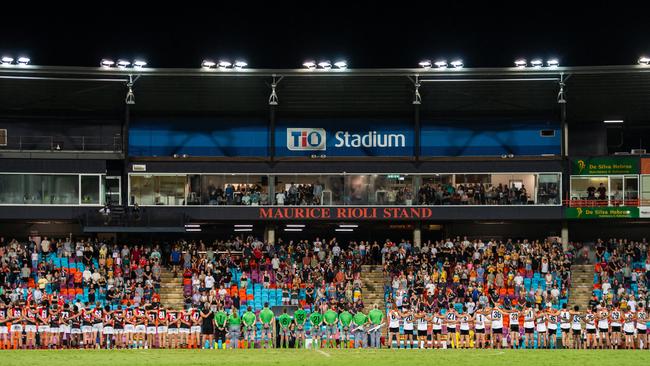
point(606, 203)
point(67, 143)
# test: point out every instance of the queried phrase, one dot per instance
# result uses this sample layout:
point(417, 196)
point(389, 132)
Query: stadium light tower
point(123, 64)
point(644, 60)
point(341, 65)
point(521, 63)
point(223, 64)
point(240, 64)
point(138, 64)
point(23, 60)
point(107, 63)
point(7, 60)
point(325, 65)
point(553, 62)
point(457, 64)
point(441, 64)
point(536, 63)
point(206, 64)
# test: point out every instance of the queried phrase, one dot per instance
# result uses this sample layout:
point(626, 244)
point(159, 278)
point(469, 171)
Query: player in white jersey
point(393, 326)
point(421, 319)
point(615, 318)
point(479, 327)
point(642, 327)
point(553, 319)
point(529, 326)
point(628, 328)
point(463, 321)
point(407, 327)
point(565, 326)
point(436, 328)
point(603, 328)
point(542, 330)
point(590, 326)
point(576, 328)
point(496, 317)
point(515, 336)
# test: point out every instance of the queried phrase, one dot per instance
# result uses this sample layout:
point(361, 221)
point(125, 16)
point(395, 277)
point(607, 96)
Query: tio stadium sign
point(315, 139)
point(360, 213)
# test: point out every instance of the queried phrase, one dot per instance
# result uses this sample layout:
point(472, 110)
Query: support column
point(269, 234)
point(125, 151)
point(565, 235)
point(417, 236)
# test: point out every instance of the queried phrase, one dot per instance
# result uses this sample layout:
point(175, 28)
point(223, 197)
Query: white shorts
point(641, 326)
point(172, 330)
point(30, 328)
point(16, 328)
point(75, 331)
point(108, 330)
point(541, 328)
point(4, 330)
point(140, 328)
point(129, 328)
point(151, 330)
point(552, 328)
point(86, 329)
point(55, 330)
point(64, 328)
point(184, 330)
point(162, 329)
point(195, 329)
point(98, 327)
point(628, 328)
point(43, 328)
point(118, 330)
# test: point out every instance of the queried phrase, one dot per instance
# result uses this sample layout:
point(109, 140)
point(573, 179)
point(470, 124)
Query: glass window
point(166, 190)
point(112, 190)
point(232, 189)
point(631, 189)
point(592, 189)
point(645, 190)
point(308, 190)
point(90, 190)
point(11, 189)
point(51, 189)
point(548, 189)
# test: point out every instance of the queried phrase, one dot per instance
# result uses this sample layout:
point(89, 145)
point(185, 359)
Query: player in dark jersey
point(184, 328)
point(118, 327)
point(31, 318)
point(173, 320)
point(140, 327)
point(151, 324)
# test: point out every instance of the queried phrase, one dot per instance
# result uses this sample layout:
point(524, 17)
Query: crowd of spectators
point(78, 270)
point(472, 194)
point(461, 272)
point(238, 194)
point(621, 273)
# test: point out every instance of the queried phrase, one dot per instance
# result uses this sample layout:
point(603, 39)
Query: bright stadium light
point(553, 62)
point(613, 121)
point(206, 64)
point(107, 63)
point(441, 64)
point(457, 64)
point(23, 60)
point(6, 60)
point(325, 65)
point(521, 63)
point(644, 60)
point(309, 64)
point(536, 63)
point(240, 64)
point(341, 65)
point(123, 64)
point(139, 64)
point(224, 64)
point(425, 64)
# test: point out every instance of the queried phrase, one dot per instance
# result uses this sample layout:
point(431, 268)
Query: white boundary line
point(323, 353)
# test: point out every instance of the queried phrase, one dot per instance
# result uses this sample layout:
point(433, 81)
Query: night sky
point(365, 34)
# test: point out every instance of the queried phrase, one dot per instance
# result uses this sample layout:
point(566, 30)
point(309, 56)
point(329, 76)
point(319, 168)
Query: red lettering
point(426, 213)
point(266, 213)
point(298, 213)
point(341, 213)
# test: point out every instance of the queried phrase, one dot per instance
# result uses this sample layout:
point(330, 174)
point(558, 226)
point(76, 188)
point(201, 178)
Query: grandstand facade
point(374, 154)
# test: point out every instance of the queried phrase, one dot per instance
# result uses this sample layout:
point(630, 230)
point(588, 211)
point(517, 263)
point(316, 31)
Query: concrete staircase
point(582, 284)
point(171, 289)
point(373, 279)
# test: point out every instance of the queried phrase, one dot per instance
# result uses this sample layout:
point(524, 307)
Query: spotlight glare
point(553, 62)
point(122, 64)
point(23, 60)
point(240, 64)
point(457, 64)
point(206, 64)
point(107, 63)
point(536, 63)
point(139, 63)
point(6, 60)
point(644, 60)
point(326, 65)
point(425, 64)
point(442, 64)
point(309, 65)
point(224, 64)
point(342, 65)
point(521, 63)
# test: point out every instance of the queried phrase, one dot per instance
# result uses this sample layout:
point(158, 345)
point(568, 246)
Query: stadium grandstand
point(324, 207)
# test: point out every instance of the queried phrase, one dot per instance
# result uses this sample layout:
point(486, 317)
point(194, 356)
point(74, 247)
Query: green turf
point(323, 357)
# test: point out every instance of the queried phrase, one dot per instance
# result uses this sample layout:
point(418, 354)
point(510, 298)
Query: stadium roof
point(592, 93)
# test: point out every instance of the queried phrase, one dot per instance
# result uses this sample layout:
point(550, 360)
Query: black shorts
point(629, 333)
point(220, 334)
point(514, 328)
point(464, 332)
point(436, 331)
point(422, 333)
point(479, 331)
point(529, 330)
point(207, 329)
point(565, 330)
point(451, 330)
point(603, 330)
point(497, 330)
point(393, 330)
point(408, 331)
point(616, 328)
point(591, 331)
point(577, 332)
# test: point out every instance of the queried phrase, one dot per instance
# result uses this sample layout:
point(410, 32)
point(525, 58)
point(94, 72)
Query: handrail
point(64, 143)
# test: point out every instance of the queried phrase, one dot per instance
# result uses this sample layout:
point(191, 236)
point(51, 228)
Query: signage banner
point(605, 165)
point(344, 137)
point(620, 212)
point(644, 212)
point(345, 213)
point(645, 166)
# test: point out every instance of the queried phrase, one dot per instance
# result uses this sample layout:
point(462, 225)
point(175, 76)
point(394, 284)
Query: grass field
point(323, 357)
